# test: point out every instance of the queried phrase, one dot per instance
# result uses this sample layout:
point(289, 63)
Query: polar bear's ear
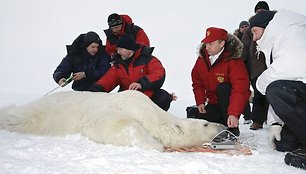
point(206, 123)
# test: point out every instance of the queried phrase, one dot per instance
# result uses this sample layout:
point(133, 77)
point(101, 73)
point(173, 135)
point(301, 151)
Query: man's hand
point(275, 133)
point(61, 81)
point(78, 76)
point(201, 108)
point(232, 121)
point(135, 86)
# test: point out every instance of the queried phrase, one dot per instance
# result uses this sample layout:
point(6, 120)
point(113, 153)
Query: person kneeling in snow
point(86, 60)
point(134, 68)
point(220, 79)
point(281, 37)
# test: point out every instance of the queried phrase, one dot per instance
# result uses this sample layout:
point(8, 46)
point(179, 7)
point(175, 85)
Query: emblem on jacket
point(220, 79)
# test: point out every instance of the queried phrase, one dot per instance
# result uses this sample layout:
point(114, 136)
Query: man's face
point(116, 29)
point(259, 10)
point(125, 53)
point(214, 47)
point(92, 49)
point(257, 33)
point(243, 28)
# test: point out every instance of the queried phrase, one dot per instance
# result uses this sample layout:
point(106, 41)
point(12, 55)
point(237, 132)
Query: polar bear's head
point(193, 132)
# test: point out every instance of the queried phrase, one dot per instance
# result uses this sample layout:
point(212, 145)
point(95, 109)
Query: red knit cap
point(213, 34)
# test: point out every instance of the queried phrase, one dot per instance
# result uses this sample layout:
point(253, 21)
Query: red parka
point(142, 68)
point(137, 32)
point(228, 68)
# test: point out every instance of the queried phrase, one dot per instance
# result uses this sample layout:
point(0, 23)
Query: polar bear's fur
point(127, 118)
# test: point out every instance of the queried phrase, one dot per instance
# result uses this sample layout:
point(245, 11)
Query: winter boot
point(296, 158)
point(256, 126)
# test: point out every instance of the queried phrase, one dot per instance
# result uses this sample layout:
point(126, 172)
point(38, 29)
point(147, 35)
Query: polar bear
point(127, 118)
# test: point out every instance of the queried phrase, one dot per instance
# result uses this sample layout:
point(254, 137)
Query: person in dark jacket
point(135, 68)
point(118, 26)
point(86, 61)
point(281, 36)
point(243, 27)
point(256, 64)
point(220, 79)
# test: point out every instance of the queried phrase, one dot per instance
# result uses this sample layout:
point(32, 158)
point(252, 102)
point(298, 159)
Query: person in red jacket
point(135, 68)
point(118, 26)
point(220, 79)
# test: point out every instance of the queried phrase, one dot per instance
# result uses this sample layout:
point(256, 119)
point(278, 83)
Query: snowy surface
point(33, 37)
point(75, 154)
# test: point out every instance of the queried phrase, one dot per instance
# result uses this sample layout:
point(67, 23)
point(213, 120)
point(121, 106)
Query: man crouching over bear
point(134, 68)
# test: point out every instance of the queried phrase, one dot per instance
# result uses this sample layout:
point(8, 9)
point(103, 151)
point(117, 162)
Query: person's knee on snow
point(163, 99)
point(285, 98)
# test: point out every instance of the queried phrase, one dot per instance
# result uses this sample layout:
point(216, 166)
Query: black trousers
point(216, 112)
point(288, 100)
point(247, 114)
point(260, 105)
point(162, 98)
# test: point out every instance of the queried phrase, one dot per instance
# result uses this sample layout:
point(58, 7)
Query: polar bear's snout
point(211, 125)
point(218, 127)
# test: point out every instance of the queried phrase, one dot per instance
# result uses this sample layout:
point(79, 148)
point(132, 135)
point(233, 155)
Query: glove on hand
point(275, 133)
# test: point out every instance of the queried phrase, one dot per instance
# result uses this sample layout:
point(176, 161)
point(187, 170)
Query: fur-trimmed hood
point(233, 47)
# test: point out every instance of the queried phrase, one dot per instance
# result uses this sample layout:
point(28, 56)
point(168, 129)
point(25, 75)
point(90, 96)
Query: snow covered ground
point(33, 37)
point(75, 154)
